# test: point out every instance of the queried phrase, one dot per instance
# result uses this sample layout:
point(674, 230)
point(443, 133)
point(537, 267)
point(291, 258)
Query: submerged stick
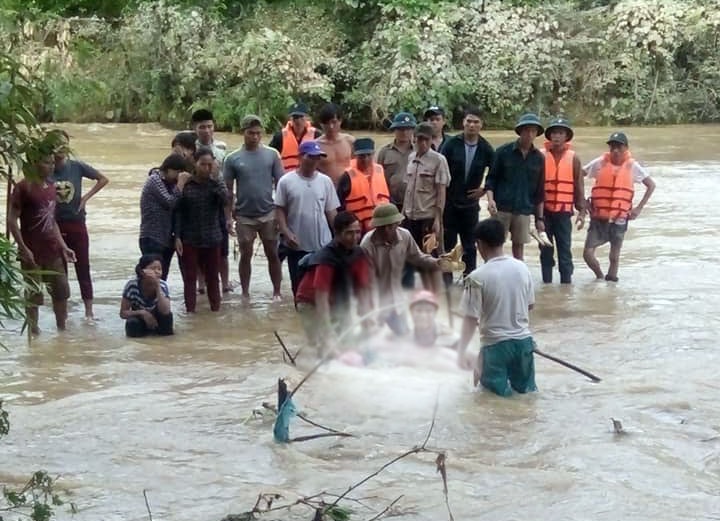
point(555, 359)
point(282, 344)
point(147, 504)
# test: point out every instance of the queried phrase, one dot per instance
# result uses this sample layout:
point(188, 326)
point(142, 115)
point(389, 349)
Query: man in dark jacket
point(515, 185)
point(468, 156)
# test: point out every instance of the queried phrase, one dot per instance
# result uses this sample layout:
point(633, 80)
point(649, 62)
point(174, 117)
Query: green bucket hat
point(403, 120)
point(529, 119)
point(618, 137)
point(386, 214)
point(559, 122)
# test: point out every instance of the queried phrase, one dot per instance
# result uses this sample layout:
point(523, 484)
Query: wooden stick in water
point(583, 372)
point(282, 344)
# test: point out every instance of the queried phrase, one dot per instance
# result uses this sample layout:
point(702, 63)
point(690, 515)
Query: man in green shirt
point(515, 185)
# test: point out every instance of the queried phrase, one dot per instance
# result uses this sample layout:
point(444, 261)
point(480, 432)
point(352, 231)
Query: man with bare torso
point(337, 145)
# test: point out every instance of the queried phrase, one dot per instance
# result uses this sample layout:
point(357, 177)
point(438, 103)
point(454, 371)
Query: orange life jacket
point(366, 192)
point(612, 194)
point(559, 180)
point(290, 154)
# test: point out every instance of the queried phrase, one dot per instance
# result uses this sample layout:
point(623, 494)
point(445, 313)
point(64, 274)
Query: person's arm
point(126, 310)
point(331, 203)
point(277, 169)
point(281, 218)
point(67, 253)
point(163, 299)
point(491, 182)
point(579, 185)
point(539, 196)
point(343, 190)
point(330, 216)
point(177, 225)
point(417, 258)
point(14, 213)
point(649, 189)
point(100, 182)
point(158, 190)
point(442, 179)
point(276, 141)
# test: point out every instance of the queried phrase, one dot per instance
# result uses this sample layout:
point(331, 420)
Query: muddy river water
point(113, 416)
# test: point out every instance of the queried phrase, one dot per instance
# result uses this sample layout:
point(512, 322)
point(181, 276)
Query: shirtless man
point(337, 145)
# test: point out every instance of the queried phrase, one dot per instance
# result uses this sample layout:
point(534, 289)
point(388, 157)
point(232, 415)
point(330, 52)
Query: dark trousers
point(149, 246)
point(293, 259)
point(207, 260)
point(75, 235)
point(418, 229)
point(462, 222)
point(558, 226)
point(136, 327)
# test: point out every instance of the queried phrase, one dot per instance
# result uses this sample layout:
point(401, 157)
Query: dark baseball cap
point(434, 111)
point(298, 109)
point(363, 145)
point(618, 137)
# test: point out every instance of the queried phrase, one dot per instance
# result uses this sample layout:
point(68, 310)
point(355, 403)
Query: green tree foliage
point(639, 61)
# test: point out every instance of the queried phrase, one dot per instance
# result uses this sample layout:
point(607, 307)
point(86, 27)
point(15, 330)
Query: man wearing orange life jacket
point(564, 188)
point(611, 202)
point(363, 186)
point(297, 130)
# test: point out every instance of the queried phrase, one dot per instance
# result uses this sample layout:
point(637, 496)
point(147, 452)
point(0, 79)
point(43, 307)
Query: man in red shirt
point(332, 275)
point(40, 244)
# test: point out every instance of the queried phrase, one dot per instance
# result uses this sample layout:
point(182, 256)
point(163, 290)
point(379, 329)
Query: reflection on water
point(115, 416)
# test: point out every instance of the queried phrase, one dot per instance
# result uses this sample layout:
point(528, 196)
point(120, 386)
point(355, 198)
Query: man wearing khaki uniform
point(427, 179)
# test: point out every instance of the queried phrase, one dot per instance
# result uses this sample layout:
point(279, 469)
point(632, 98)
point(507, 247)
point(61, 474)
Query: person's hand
point(149, 319)
point(436, 227)
point(492, 207)
point(580, 221)
point(179, 247)
point(152, 276)
point(539, 225)
point(635, 213)
point(230, 226)
point(466, 360)
point(69, 255)
point(28, 258)
point(183, 178)
point(291, 240)
point(476, 193)
point(81, 206)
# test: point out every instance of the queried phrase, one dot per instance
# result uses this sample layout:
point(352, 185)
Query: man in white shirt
point(611, 202)
point(498, 297)
point(305, 204)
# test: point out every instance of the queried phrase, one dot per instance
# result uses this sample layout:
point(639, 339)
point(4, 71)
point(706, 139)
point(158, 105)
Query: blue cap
point(403, 120)
point(527, 120)
point(312, 149)
point(298, 109)
point(363, 145)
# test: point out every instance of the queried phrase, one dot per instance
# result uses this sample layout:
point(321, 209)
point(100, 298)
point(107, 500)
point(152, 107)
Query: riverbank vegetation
point(600, 62)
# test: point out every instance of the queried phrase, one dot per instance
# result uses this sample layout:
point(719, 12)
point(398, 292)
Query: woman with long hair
point(198, 232)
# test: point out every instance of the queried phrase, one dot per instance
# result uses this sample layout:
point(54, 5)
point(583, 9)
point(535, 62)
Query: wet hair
point(343, 220)
point(201, 115)
point(174, 162)
point(328, 112)
point(185, 139)
point(491, 232)
point(473, 111)
point(145, 261)
point(203, 151)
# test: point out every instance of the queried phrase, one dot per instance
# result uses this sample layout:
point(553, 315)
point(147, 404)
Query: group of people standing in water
point(355, 225)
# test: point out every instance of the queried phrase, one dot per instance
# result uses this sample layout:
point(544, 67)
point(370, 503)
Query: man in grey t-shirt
point(306, 203)
point(254, 169)
point(498, 297)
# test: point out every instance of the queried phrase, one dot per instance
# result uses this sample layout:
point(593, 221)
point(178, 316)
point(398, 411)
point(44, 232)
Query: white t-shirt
point(593, 168)
point(306, 199)
point(499, 294)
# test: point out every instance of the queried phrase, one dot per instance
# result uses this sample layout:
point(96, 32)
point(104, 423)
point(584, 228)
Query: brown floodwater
point(114, 416)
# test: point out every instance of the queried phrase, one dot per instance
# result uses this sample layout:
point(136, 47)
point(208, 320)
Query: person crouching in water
point(498, 297)
point(330, 277)
point(198, 231)
point(145, 304)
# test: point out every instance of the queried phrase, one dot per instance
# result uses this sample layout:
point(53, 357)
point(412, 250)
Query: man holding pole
point(498, 297)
